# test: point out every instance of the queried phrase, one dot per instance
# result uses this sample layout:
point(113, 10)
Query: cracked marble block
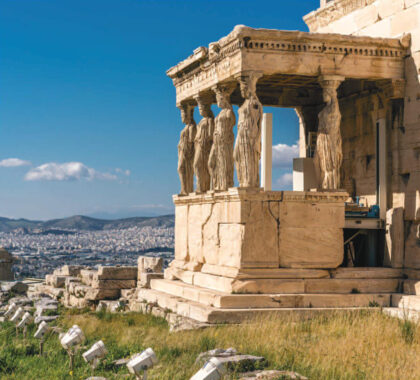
point(250, 228)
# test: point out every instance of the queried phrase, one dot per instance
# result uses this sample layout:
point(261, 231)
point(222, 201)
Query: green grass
point(355, 345)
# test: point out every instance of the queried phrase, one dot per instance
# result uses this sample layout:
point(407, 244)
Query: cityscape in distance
point(42, 246)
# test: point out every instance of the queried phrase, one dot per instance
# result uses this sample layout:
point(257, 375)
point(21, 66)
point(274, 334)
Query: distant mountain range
point(84, 223)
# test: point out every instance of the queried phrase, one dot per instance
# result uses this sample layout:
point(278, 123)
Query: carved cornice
point(249, 194)
point(299, 54)
point(333, 11)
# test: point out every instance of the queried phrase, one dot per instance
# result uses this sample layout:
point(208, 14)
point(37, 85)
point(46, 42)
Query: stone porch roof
point(287, 60)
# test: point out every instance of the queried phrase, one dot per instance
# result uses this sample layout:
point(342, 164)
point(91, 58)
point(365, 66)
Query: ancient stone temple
point(348, 235)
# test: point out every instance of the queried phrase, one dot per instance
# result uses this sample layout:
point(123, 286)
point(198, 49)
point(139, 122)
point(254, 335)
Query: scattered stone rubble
point(273, 375)
point(112, 289)
point(81, 287)
point(42, 300)
point(234, 361)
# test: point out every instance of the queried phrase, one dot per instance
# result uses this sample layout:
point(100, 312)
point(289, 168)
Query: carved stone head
point(204, 106)
point(187, 112)
point(248, 84)
point(223, 92)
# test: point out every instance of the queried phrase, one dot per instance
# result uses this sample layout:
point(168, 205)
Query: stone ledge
point(244, 194)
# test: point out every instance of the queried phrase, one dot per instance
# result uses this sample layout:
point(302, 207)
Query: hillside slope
point(85, 223)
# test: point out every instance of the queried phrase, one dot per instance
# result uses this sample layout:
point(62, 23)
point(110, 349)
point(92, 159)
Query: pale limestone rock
point(146, 277)
point(273, 375)
point(113, 284)
point(149, 264)
point(55, 280)
point(68, 270)
point(387, 8)
point(117, 273)
point(394, 254)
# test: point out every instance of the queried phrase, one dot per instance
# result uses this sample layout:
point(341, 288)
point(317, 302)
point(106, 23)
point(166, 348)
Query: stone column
point(221, 154)
point(247, 151)
point(186, 149)
point(328, 154)
point(203, 143)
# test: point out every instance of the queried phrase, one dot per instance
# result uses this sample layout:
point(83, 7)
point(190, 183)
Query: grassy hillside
point(359, 345)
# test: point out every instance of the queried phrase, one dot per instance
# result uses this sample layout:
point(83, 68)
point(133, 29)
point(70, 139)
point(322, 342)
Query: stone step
point(209, 314)
point(406, 302)
point(234, 301)
point(288, 273)
point(378, 273)
point(412, 287)
point(355, 280)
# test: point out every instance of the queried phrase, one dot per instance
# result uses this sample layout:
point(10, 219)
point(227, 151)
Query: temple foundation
point(244, 252)
point(222, 237)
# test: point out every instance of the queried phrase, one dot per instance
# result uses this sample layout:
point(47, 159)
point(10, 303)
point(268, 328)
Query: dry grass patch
point(352, 345)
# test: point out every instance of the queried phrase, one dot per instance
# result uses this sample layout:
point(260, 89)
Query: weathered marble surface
point(223, 232)
point(221, 154)
point(247, 151)
point(186, 150)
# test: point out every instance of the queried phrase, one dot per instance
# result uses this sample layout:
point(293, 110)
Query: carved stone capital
point(330, 81)
point(204, 98)
point(249, 80)
point(187, 112)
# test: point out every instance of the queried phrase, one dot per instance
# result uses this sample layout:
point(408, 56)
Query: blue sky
point(88, 123)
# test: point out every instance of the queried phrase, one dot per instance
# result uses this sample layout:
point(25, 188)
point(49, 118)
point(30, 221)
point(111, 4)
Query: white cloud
point(67, 171)
point(124, 172)
point(285, 182)
point(13, 162)
point(284, 154)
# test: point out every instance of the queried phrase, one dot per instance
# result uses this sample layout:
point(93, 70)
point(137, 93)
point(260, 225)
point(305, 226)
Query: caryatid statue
point(329, 154)
point(186, 150)
point(247, 151)
point(203, 144)
point(221, 154)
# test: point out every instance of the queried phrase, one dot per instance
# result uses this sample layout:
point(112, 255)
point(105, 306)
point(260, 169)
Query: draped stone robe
point(328, 155)
point(248, 143)
point(203, 143)
point(221, 155)
point(186, 157)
